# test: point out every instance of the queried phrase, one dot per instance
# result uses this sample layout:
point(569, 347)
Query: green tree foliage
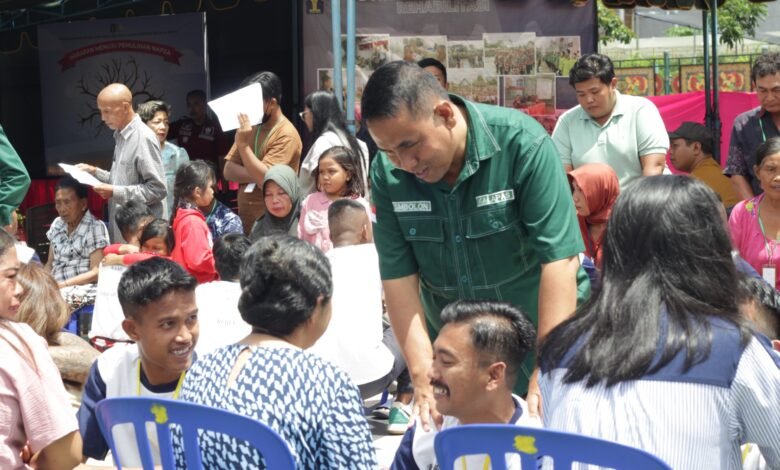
point(680, 31)
point(739, 19)
point(611, 27)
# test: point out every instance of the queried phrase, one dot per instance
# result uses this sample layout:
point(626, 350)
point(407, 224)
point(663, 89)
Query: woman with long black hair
point(325, 120)
point(662, 358)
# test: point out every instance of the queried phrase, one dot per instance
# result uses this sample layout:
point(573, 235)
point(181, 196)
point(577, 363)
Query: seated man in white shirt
point(218, 314)
point(354, 339)
point(476, 361)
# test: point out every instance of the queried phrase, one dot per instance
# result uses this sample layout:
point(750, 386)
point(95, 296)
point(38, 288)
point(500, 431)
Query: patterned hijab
point(268, 224)
point(600, 186)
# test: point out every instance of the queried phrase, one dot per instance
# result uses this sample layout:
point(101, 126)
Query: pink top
point(313, 221)
point(34, 405)
point(747, 237)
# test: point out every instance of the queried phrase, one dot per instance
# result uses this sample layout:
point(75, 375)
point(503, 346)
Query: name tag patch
point(495, 198)
point(412, 206)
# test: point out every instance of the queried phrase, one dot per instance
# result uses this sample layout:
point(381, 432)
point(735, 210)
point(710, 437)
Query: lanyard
point(770, 249)
point(265, 139)
point(761, 125)
point(175, 392)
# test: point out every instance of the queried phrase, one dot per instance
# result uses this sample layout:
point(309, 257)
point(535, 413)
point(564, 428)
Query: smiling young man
point(471, 203)
point(754, 127)
point(161, 316)
point(476, 362)
point(625, 132)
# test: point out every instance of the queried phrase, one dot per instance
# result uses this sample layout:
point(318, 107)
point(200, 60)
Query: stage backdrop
point(157, 57)
point(511, 53)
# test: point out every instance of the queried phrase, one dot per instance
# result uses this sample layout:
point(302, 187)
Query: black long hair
point(327, 115)
point(351, 163)
point(666, 249)
point(190, 175)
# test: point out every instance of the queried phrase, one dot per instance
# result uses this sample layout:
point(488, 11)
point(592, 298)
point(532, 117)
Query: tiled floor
point(384, 443)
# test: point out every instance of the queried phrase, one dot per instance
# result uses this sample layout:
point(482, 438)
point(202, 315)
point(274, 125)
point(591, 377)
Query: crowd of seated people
point(278, 314)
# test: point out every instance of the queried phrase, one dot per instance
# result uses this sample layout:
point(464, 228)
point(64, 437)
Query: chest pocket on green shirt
point(426, 236)
point(497, 250)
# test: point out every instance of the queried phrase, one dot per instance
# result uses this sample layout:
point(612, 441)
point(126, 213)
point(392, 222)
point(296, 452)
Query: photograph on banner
point(371, 51)
point(510, 53)
point(478, 85)
point(557, 54)
point(157, 57)
point(532, 94)
point(636, 81)
point(416, 48)
point(732, 77)
point(325, 81)
point(465, 54)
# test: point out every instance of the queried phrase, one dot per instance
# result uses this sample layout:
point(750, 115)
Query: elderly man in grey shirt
point(137, 170)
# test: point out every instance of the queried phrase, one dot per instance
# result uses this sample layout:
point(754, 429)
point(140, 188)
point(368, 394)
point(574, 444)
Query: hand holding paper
point(80, 175)
point(247, 100)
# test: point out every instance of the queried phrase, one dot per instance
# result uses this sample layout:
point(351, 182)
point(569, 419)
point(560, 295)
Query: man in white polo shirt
point(625, 132)
point(476, 361)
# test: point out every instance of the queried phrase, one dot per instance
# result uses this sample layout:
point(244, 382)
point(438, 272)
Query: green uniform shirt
point(510, 211)
point(14, 180)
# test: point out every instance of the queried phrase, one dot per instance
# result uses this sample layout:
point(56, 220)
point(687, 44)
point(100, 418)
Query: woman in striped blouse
point(662, 358)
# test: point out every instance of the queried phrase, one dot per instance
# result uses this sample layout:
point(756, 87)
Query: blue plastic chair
point(191, 418)
point(497, 440)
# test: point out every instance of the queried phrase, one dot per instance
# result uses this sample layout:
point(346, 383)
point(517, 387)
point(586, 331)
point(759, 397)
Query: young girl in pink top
point(338, 175)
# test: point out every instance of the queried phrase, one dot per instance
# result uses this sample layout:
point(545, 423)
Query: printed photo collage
point(515, 70)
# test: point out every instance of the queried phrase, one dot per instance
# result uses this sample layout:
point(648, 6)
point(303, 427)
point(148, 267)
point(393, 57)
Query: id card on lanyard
point(769, 270)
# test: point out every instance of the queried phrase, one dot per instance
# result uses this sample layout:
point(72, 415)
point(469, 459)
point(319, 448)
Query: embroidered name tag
point(412, 206)
point(495, 198)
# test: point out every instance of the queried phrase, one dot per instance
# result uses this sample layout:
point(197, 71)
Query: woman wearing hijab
point(595, 188)
point(282, 197)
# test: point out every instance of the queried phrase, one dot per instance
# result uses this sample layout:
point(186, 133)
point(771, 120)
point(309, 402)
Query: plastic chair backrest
point(191, 418)
point(497, 440)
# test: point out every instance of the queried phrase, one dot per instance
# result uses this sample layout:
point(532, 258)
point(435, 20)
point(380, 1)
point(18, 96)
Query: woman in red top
point(594, 188)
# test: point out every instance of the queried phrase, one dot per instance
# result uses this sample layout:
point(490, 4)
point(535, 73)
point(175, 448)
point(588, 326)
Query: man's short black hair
point(398, 85)
point(196, 94)
point(338, 216)
point(592, 66)
point(130, 215)
point(431, 62)
point(269, 82)
point(69, 182)
point(766, 64)
point(150, 280)
point(500, 332)
point(228, 251)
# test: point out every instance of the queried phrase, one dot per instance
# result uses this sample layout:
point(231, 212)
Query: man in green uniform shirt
point(471, 202)
point(14, 179)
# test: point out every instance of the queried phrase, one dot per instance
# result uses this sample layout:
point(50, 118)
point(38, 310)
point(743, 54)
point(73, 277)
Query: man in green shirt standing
point(14, 179)
point(471, 202)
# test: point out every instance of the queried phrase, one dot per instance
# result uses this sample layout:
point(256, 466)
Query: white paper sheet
point(247, 100)
point(80, 175)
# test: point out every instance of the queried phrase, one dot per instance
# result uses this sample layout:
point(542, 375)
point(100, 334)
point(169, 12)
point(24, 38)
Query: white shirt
point(219, 320)
point(353, 339)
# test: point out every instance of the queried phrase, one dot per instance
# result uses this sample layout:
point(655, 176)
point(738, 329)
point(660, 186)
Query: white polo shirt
point(634, 130)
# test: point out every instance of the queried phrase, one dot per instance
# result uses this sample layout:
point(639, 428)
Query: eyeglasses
point(303, 113)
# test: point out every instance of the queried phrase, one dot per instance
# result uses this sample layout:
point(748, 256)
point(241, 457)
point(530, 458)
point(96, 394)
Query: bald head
point(115, 103)
point(348, 223)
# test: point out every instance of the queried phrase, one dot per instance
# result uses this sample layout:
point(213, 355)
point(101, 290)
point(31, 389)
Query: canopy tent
point(709, 21)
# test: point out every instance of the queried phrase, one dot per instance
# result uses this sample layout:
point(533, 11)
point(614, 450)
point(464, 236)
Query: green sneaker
point(399, 419)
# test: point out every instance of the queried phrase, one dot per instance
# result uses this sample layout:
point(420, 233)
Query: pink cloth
point(34, 406)
point(681, 107)
point(313, 222)
point(747, 237)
